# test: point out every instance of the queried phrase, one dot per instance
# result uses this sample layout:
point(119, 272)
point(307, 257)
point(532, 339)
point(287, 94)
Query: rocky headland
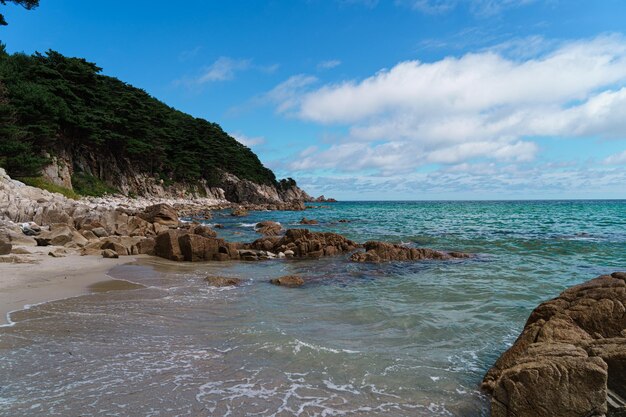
point(120, 226)
point(570, 359)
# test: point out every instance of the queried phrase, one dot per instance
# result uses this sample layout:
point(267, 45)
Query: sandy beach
point(48, 278)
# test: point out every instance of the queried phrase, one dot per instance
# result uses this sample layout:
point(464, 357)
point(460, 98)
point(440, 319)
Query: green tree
point(28, 4)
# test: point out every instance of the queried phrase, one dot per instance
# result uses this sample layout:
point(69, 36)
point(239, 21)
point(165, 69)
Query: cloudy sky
point(378, 99)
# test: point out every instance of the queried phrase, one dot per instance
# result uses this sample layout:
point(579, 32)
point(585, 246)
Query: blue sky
point(373, 99)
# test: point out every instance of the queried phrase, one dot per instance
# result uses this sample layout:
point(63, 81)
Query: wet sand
point(44, 278)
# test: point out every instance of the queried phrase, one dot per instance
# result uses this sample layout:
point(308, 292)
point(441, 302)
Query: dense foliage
point(28, 4)
point(49, 102)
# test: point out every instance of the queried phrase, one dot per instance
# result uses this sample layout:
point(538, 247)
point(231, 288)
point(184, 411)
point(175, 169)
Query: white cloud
point(248, 140)
point(616, 159)
point(287, 94)
point(223, 69)
point(478, 7)
point(480, 105)
point(331, 63)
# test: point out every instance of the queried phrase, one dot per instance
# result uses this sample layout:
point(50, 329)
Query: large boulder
point(197, 248)
point(181, 245)
point(166, 245)
point(384, 252)
point(570, 356)
point(162, 214)
point(304, 243)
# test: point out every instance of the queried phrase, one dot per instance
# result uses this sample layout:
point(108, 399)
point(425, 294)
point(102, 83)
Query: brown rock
point(146, 246)
point(109, 253)
point(571, 352)
point(116, 247)
point(288, 281)
point(88, 234)
point(203, 230)
point(222, 281)
point(58, 253)
point(162, 214)
point(308, 221)
point(385, 252)
point(166, 246)
point(5, 248)
point(302, 243)
point(61, 234)
point(99, 232)
point(239, 212)
point(269, 228)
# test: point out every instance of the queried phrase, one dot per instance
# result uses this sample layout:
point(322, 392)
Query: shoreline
point(48, 279)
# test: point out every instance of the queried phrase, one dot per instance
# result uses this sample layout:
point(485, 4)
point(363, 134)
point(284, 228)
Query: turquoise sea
point(397, 339)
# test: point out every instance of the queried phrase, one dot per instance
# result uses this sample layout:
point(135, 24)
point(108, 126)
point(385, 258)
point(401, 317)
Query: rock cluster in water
point(570, 360)
point(384, 252)
point(302, 243)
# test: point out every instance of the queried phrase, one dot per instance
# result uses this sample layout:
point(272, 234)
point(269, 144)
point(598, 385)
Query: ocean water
point(397, 339)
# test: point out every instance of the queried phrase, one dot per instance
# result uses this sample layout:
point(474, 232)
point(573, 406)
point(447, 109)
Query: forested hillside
point(50, 103)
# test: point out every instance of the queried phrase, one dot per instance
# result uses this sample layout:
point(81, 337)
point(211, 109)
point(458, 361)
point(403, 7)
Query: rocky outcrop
point(570, 360)
point(376, 252)
point(288, 281)
point(240, 191)
point(309, 221)
point(269, 228)
point(302, 243)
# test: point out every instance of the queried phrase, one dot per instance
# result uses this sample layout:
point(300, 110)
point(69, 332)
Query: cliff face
point(124, 177)
point(62, 119)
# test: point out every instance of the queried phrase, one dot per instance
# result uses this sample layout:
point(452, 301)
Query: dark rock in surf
point(288, 281)
point(222, 281)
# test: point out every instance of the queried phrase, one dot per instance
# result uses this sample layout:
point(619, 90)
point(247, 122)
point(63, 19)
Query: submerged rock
point(384, 252)
point(239, 212)
point(222, 281)
point(288, 281)
point(308, 221)
point(570, 357)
